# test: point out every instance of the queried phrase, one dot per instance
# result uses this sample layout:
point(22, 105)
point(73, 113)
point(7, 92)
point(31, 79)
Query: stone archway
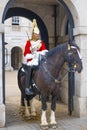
point(30, 15)
point(75, 14)
point(27, 14)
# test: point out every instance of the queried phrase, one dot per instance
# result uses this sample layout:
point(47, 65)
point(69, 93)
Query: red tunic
point(28, 51)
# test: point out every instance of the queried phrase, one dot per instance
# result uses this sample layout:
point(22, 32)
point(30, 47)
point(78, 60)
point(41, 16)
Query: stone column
point(80, 98)
point(8, 66)
point(2, 105)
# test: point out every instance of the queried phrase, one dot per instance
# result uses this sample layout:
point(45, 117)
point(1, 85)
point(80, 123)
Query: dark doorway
point(16, 57)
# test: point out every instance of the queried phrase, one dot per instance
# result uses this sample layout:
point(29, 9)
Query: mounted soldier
point(33, 49)
point(47, 78)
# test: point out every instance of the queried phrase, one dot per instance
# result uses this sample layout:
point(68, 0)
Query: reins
point(60, 80)
point(57, 80)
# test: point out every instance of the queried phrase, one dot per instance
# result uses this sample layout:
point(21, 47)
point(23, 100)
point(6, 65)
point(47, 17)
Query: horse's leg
point(52, 117)
point(33, 109)
point(22, 100)
point(22, 104)
point(44, 122)
point(27, 113)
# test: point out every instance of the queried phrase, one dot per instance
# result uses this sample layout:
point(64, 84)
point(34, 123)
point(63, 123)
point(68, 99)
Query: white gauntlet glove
point(43, 52)
point(29, 56)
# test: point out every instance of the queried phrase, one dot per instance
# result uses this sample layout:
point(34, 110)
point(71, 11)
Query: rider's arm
point(27, 51)
point(27, 48)
point(43, 49)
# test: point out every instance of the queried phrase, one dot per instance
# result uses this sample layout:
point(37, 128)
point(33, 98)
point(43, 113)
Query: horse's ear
point(68, 46)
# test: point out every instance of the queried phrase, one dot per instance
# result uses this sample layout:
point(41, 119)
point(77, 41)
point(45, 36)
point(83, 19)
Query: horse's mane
point(57, 49)
point(60, 48)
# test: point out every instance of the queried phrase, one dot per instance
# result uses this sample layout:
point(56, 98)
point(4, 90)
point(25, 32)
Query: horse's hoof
point(33, 117)
point(28, 118)
point(44, 127)
point(53, 126)
point(33, 114)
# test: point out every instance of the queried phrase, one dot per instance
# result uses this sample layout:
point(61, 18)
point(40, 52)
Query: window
point(15, 20)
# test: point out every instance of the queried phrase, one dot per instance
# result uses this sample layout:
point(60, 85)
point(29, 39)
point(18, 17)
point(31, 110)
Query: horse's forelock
point(77, 51)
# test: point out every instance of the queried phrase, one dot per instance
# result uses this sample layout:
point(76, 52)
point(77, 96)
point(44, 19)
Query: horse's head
point(74, 58)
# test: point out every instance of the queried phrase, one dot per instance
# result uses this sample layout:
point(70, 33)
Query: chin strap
point(70, 54)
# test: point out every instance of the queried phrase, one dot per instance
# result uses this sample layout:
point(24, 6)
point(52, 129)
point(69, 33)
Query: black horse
point(46, 76)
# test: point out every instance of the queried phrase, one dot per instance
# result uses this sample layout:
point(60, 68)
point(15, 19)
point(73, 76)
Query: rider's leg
point(28, 72)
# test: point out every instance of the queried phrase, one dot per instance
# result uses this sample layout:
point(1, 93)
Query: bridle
point(72, 62)
point(70, 58)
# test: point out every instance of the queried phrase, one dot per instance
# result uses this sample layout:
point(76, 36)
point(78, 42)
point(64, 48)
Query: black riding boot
point(28, 71)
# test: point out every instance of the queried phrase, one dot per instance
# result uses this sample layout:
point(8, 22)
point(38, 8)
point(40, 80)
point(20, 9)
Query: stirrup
point(28, 91)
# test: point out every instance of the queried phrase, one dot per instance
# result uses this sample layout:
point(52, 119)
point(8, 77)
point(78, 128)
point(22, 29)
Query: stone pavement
point(16, 121)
